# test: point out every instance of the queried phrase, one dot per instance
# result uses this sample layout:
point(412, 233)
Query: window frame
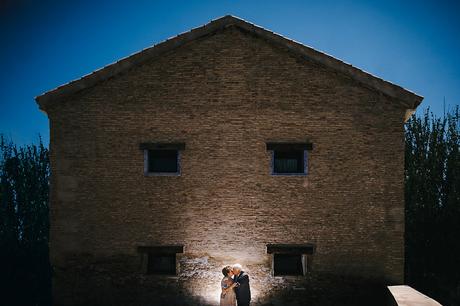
point(306, 252)
point(146, 164)
point(151, 146)
point(150, 257)
point(166, 250)
point(305, 165)
point(286, 147)
point(303, 261)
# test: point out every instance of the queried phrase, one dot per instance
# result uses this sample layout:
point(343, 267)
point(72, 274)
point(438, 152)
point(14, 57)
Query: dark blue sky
point(415, 44)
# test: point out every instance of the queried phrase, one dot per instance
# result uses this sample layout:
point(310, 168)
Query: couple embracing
point(235, 287)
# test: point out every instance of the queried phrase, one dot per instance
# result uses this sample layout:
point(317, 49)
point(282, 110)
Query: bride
point(228, 296)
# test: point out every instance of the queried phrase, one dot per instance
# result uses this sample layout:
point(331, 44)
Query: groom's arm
point(230, 285)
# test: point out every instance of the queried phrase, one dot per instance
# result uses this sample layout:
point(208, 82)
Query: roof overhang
point(409, 99)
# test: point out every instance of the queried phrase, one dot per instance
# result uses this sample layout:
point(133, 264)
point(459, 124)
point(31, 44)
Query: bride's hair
point(225, 270)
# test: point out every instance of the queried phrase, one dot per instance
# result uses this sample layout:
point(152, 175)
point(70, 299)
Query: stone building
point(228, 143)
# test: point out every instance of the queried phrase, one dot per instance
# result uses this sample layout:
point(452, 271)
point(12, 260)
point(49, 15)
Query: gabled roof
point(408, 98)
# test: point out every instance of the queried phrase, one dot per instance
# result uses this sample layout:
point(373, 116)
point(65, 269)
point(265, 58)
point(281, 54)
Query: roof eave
point(410, 99)
point(130, 61)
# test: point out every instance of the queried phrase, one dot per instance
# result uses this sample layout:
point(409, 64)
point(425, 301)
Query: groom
point(243, 293)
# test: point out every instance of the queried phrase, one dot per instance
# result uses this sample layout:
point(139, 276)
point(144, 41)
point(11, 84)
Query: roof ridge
point(329, 56)
point(214, 25)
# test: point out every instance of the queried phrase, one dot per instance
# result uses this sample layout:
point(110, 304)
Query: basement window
point(289, 158)
point(162, 158)
point(160, 260)
point(163, 264)
point(290, 259)
point(288, 264)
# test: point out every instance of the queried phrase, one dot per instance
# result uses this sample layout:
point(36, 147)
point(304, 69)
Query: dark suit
point(243, 292)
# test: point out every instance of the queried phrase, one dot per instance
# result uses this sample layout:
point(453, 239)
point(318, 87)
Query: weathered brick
point(225, 96)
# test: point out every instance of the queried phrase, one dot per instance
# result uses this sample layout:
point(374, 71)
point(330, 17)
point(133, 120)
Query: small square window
point(287, 264)
point(290, 259)
point(288, 162)
point(289, 158)
point(161, 264)
point(162, 158)
point(163, 161)
point(160, 260)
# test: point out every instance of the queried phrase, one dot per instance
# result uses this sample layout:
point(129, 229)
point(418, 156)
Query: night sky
point(415, 44)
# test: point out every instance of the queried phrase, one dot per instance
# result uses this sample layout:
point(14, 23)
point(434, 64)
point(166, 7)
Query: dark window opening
point(288, 264)
point(160, 259)
point(288, 161)
point(163, 161)
point(161, 264)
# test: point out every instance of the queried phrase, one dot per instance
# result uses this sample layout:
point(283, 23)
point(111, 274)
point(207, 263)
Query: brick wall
point(225, 96)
